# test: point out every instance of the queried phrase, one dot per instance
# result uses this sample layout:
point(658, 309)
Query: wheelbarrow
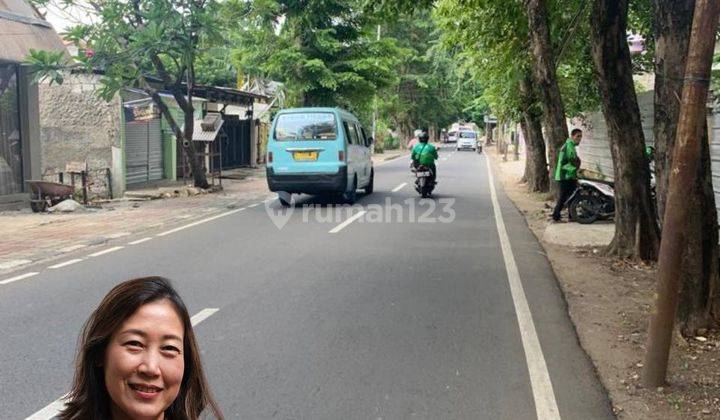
point(43, 193)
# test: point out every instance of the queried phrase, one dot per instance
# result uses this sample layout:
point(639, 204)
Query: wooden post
point(682, 178)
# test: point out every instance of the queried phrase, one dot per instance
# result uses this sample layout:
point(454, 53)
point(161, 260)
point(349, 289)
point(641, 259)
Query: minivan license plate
point(305, 155)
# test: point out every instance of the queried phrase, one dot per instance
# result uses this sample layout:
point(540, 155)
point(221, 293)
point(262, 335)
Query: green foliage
point(324, 51)
point(47, 65)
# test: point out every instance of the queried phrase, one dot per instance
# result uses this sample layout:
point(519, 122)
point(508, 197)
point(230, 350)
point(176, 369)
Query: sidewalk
point(609, 302)
point(27, 237)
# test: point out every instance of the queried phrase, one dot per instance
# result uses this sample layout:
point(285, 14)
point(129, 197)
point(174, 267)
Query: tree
point(324, 51)
point(545, 76)
point(699, 272)
point(493, 42)
point(636, 231)
point(536, 172)
point(152, 45)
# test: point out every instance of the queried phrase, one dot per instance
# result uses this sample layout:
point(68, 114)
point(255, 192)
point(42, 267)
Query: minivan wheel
point(285, 202)
point(350, 196)
point(370, 186)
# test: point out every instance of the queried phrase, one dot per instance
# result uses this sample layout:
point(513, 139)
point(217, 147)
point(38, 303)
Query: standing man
point(566, 171)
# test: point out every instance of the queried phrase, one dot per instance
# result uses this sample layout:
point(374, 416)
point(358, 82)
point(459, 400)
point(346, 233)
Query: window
point(352, 133)
point(361, 135)
point(467, 134)
point(306, 126)
point(11, 172)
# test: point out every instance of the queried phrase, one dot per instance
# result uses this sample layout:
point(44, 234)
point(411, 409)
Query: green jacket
point(568, 162)
point(424, 153)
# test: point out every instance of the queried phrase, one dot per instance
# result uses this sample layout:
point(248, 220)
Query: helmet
point(424, 137)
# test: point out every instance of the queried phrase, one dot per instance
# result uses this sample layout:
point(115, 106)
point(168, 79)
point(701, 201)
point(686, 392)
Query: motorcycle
point(424, 183)
point(591, 201)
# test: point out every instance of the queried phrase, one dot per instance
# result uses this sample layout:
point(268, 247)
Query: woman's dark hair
point(89, 399)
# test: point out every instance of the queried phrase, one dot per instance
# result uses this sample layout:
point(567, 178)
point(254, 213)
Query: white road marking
point(202, 315)
point(13, 263)
point(106, 251)
point(351, 219)
point(544, 396)
point(53, 409)
point(73, 248)
point(253, 205)
point(399, 187)
point(139, 241)
point(20, 277)
point(66, 263)
point(199, 222)
point(50, 411)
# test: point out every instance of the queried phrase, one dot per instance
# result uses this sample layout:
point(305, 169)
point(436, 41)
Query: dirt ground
point(609, 302)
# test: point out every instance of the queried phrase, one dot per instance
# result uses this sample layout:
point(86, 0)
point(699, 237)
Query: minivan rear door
point(306, 142)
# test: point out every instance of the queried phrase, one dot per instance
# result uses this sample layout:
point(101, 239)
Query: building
point(21, 29)
point(125, 143)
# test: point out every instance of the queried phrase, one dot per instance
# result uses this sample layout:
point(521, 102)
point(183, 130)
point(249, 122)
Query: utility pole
point(682, 177)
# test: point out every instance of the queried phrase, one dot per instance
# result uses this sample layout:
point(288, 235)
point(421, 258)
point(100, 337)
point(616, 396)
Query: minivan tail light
point(269, 157)
point(341, 156)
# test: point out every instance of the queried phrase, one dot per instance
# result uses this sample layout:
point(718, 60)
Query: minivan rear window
point(306, 126)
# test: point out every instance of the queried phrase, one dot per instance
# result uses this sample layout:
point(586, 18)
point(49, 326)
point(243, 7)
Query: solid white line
point(53, 409)
point(66, 263)
point(545, 403)
point(344, 224)
point(199, 222)
point(253, 205)
point(399, 187)
point(20, 277)
point(139, 241)
point(106, 251)
point(202, 315)
point(50, 411)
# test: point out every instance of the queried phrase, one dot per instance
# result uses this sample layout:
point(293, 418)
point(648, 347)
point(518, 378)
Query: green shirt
point(567, 159)
point(424, 153)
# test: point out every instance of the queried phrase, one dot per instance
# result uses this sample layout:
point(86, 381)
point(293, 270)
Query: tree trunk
point(536, 171)
point(545, 78)
point(183, 138)
point(636, 232)
point(699, 267)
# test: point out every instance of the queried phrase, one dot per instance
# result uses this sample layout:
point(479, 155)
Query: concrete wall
point(78, 126)
point(595, 147)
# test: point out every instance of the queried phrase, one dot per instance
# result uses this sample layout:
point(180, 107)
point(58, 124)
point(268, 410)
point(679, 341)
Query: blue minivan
point(318, 151)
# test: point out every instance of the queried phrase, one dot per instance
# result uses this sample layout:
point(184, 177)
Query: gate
point(235, 143)
point(143, 151)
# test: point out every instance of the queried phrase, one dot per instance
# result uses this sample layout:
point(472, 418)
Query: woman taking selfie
point(138, 359)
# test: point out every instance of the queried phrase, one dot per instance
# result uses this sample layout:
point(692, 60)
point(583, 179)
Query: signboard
point(143, 112)
point(490, 119)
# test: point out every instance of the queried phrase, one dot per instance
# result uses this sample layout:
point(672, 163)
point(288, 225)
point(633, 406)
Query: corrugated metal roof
point(215, 121)
point(23, 29)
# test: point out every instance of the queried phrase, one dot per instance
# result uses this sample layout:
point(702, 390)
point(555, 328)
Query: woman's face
point(144, 362)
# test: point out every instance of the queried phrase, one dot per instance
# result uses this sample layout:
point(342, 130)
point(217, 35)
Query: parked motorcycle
point(424, 183)
point(591, 201)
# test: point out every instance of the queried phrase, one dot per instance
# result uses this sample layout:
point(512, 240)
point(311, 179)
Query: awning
point(208, 128)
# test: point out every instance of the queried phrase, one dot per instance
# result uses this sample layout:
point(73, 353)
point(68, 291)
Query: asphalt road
point(405, 312)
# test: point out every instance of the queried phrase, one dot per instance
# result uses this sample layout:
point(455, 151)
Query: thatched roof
point(22, 29)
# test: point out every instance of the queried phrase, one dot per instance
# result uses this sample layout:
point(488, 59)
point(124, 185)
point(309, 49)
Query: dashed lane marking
point(20, 277)
point(66, 263)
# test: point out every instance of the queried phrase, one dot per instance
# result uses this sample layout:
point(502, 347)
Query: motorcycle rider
point(566, 171)
point(425, 154)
